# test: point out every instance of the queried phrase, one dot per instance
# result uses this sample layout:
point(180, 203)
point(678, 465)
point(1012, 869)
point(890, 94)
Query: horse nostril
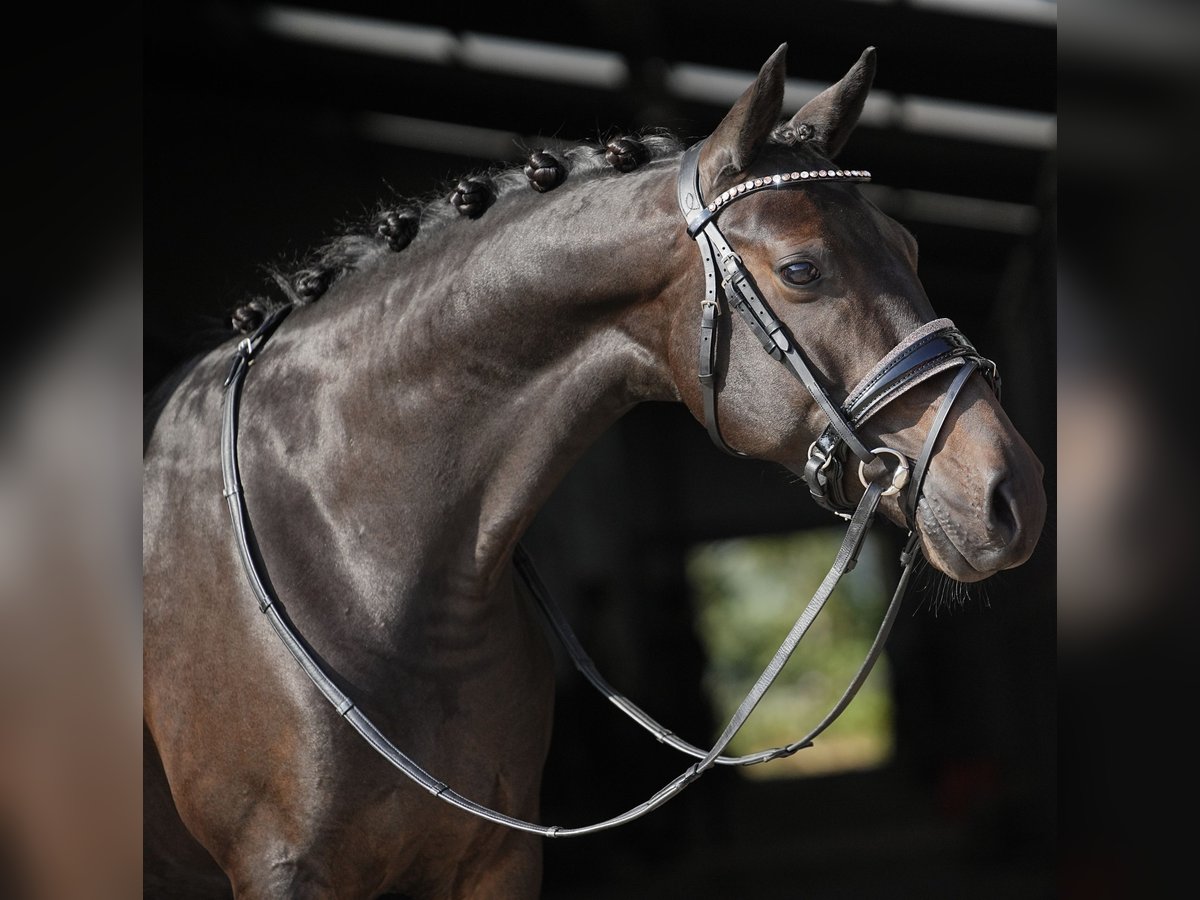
point(1004, 519)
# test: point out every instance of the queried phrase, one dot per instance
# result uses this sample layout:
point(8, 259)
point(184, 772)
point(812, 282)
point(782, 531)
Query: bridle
point(930, 349)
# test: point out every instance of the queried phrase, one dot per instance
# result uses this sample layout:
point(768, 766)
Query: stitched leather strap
point(930, 349)
point(710, 341)
point(587, 667)
point(921, 466)
point(739, 289)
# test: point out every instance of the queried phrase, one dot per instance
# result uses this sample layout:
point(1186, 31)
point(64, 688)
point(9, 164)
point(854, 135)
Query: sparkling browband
point(770, 181)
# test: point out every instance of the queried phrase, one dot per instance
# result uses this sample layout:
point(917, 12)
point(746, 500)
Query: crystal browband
point(770, 181)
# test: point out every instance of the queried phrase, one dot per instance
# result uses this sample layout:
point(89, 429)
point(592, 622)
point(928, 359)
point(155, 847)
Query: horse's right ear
point(730, 149)
point(828, 118)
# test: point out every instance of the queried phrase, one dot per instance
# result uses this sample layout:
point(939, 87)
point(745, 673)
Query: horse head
point(841, 277)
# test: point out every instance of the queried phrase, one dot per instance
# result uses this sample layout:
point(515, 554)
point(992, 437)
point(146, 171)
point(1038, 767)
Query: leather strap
point(921, 466)
point(845, 561)
point(823, 473)
point(248, 347)
point(739, 289)
point(710, 341)
point(587, 668)
point(921, 360)
point(930, 349)
point(255, 571)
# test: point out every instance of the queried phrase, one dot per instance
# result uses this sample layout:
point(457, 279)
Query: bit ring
point(899, 475)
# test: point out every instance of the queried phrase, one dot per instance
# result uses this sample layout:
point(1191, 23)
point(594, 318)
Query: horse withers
point(398, 436)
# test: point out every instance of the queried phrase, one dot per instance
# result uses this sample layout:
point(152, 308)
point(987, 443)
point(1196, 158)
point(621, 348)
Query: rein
point(929, 350)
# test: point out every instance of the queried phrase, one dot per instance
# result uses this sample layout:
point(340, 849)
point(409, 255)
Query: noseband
point(930, 349)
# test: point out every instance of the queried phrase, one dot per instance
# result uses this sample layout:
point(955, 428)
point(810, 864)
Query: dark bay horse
point(396, 440)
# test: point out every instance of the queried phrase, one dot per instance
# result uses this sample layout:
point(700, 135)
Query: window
point(749, 592)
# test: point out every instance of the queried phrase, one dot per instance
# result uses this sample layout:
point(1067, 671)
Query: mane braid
point(395, 222)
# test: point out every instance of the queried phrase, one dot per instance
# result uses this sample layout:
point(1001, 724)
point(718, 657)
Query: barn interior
point(268, 124)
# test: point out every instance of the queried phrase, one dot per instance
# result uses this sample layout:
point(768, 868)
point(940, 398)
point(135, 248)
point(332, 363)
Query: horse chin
point(943, 553)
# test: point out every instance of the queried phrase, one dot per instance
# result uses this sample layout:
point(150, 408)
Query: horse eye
point(798, 273)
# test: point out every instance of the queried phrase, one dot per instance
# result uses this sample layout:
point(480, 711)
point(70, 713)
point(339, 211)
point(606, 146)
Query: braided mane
point(395, 223)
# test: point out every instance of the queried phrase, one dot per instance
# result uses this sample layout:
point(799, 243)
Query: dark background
point(255, 150)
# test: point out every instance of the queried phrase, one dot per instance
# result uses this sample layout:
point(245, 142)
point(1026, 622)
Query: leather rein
point(931, 349)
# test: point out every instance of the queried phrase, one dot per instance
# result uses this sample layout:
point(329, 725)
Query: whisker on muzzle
point(937, 592)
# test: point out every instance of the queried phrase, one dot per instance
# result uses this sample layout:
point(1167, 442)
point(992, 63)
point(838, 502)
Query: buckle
point(826, 461)
point(732, 268)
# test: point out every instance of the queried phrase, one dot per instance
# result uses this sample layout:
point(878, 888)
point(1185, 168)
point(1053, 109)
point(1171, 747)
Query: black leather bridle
point(928, 350)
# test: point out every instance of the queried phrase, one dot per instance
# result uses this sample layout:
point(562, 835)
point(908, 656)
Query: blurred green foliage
point(749, 592)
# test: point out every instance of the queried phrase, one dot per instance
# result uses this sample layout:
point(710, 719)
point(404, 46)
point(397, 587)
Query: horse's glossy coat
point(396, 440)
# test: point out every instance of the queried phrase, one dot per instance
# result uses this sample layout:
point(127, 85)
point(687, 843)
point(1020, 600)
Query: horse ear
point(731, 148)
point(828, 118)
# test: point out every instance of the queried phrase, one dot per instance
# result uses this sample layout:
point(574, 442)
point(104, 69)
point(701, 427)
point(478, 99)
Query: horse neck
point(497, 351)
